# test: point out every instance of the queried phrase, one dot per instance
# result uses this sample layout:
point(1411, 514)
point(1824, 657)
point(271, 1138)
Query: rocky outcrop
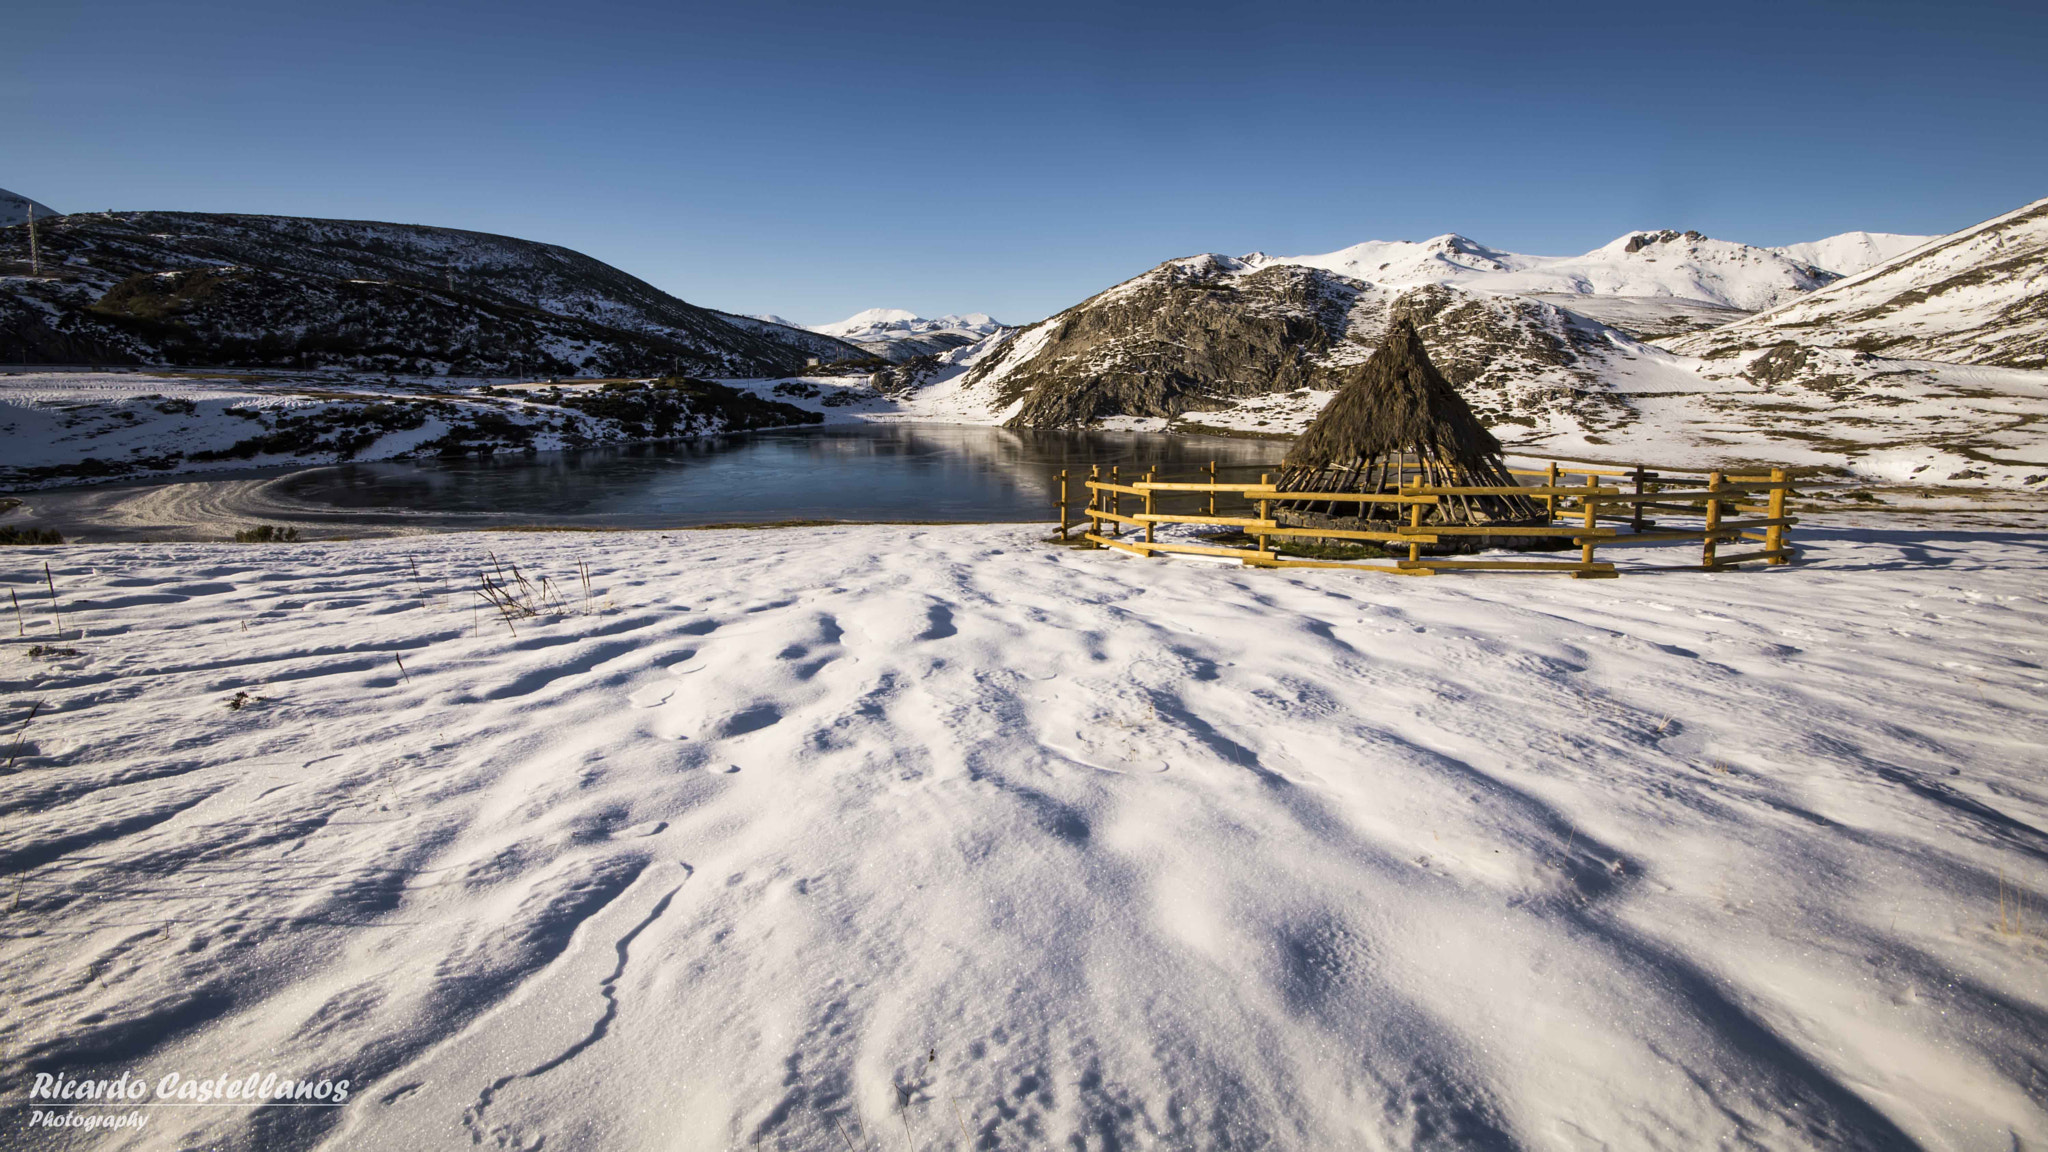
point(1188, 336)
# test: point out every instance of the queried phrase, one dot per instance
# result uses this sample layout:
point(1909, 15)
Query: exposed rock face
point(1185, 337)
point(175, 287)
point(905, 377)
point(1979, 296)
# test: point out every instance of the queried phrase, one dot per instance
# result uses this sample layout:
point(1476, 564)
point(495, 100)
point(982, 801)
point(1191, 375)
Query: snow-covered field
point(941, 838)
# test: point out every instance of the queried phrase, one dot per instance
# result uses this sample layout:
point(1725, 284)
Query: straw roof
point(1395, 402)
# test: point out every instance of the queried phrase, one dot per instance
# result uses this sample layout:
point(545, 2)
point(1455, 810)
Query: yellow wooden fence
point(1733, 509)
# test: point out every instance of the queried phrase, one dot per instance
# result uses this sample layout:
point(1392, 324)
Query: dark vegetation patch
point(681, 406)
point(13, 535)
point(340, 429)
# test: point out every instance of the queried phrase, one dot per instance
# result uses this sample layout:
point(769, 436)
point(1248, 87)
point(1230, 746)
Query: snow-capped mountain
point(899, 335)
point(1211, 334)
point(1648, 284)
point(891, 323)
point(14, 209)
point(1853, 252)
point(1678, 265)
point(1256, 344)
point(812, 344)
point(1979, 296)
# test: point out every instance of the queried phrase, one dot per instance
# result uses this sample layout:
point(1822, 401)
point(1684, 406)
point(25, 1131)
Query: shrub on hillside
point(267, 534)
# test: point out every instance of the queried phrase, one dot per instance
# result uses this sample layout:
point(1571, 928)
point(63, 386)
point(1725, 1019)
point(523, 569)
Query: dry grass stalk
point(53, 597)
point(21, 736)
point(2011, 923)
point(20, 623)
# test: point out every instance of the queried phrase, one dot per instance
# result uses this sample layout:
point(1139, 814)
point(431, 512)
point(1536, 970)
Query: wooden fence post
point(1265, 507)
point(1212, 481)
point(1713, 521)
point(1635, 523)
point(1149, 477)
point(1116, 504)
point(1415, 522)
point(1774, 536)
point(1063, 503)
point(1550, 501)
point(1592, 519)
point(1095, 501)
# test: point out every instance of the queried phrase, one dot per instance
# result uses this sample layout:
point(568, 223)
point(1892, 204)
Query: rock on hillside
point(196, 288)
point(1978, 296)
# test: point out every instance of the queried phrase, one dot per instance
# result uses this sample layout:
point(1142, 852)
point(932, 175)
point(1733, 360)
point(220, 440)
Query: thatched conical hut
point(1397, 420)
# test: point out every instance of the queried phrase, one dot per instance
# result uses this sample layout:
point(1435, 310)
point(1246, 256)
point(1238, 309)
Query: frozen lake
point(837, 472)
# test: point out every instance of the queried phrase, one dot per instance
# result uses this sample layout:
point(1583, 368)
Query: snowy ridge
point(899, 335)
point(14, 209)
point(884, 323)
point(1853, 252)
point(808, 340)
point(1979, 296)
point(1667, 264)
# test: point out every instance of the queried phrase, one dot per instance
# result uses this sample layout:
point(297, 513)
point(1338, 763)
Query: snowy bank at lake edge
point(869, 835)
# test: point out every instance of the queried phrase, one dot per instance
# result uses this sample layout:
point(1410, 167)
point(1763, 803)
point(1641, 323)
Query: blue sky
point(815, 159)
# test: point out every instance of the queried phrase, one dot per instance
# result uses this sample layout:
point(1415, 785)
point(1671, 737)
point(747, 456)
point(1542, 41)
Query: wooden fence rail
point(1573, 512)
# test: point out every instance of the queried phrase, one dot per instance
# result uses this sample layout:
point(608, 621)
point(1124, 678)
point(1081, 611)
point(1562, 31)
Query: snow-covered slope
point(1979, 296)
point(14, 209)
point(66, 427)
point(935, 838)
point(1853, 252)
